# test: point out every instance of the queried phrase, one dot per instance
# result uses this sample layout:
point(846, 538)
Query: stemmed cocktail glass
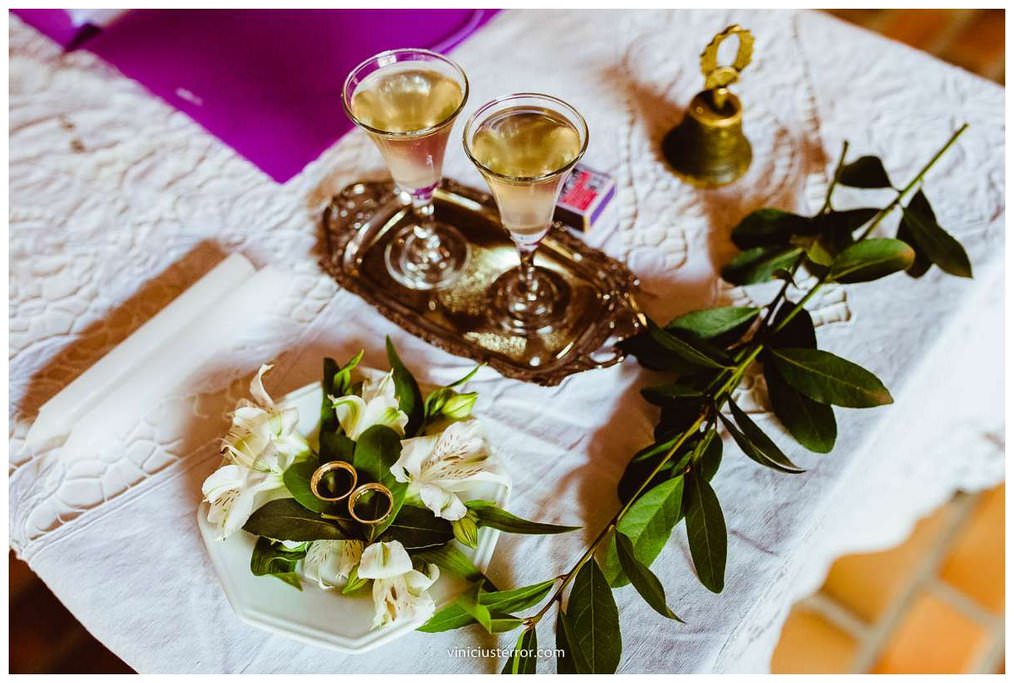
point(525, 146)
point(407, 101)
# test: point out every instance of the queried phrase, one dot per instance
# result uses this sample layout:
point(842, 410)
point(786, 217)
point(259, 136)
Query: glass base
point(426, 261)
point(539, 309)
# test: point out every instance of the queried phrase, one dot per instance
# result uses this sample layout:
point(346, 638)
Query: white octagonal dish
point(314, 616)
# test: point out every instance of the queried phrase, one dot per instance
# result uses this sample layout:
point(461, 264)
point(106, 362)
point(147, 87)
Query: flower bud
point(466, 530)
point(459, 406)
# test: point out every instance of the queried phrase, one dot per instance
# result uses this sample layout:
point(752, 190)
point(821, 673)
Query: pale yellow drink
point(403, 103)
point(523, 147)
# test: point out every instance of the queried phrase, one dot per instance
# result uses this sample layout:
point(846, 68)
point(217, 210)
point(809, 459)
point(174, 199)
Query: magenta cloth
point(265, 82)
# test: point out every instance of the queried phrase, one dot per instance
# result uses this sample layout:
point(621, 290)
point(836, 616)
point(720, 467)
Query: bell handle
point(721, 76)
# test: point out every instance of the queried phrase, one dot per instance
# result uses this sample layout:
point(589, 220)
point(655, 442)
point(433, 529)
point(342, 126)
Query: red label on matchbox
point(584, 197)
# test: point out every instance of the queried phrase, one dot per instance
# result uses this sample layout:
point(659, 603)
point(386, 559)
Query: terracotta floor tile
point(933, 637)
point(21, 578)
point(979, 47)
point(812, 644)
point(921, 28)
point(41, 631)
point(975, 563)
point(868, 584)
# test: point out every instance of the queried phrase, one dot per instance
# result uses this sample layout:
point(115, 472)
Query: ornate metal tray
point(601, 310)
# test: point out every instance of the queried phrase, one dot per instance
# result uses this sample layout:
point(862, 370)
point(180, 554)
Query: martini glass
point(407, 101)
point(525, 146)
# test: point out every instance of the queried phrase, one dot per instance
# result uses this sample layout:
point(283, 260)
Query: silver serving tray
point(601, 311)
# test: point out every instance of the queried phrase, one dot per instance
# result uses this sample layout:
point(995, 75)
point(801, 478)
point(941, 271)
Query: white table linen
point(118, 202)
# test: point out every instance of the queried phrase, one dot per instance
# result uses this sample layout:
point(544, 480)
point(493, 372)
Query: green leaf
point(833, 232)
point(449, 558)
point(766, 227)
point(297, 481)
point(676, 417)
point(270, 558)
point(706, 533)
point(871, 259)
point(714, 322)
point(827, 378)
point(756, 444)
point(523, 660)
point(496, 602)
point(517, 598)
point(663, 393)
point(646, 583)
point(328, 418)
point(812, 424)
point(935, 242)
point(644, 463)
point(843, 222)
point(417, 528)
point(469, 375)
point(354, 583)
point(469, 602)
point(377, 449)
point(595, 622)
point(798, 332)
point(648, 524)
point(651, 355)
point(711, 458)
point(866, 172)
point(697, 353)
point(286, 520)
point(492, 516)
point(407, 390)
point(335, 446)
point(335, 382)
point(759, 264)
point(922, 262)
point(565, 655)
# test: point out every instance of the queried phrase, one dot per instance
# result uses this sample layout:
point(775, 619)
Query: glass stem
point(422, 209)
point(526, 252)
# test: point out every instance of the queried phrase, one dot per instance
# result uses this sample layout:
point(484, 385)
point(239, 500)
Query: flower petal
point(257, 388)
point(384, 560)
point(329, 563)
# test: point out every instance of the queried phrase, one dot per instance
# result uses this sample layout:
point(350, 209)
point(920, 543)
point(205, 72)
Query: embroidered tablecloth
point(118, 202)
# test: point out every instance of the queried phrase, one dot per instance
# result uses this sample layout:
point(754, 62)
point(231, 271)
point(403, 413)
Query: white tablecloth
point(118, 202)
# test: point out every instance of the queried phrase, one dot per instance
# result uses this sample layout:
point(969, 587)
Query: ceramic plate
point(314, 616)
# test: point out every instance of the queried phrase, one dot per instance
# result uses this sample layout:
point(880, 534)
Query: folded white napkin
point(115, 393)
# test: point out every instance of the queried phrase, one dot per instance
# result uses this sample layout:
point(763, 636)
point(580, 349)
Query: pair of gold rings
point(354, 493)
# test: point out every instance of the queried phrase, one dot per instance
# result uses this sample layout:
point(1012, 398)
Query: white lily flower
point(262, 436)
point(261, 444)
point(330, 563)
point(377, 405)
point(234, 492)
point(440, 466)
point(399, 591)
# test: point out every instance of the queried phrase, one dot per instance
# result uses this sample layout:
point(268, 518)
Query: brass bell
point(708, 148)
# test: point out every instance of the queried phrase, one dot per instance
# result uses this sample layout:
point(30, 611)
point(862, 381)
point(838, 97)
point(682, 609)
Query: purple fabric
point(55, 23)
point(266, 82)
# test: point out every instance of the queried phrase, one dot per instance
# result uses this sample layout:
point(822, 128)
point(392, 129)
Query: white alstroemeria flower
point(262, 436)
point(377, 405)
point(440, 466)
point(330, 563)
point(399, 591)
point(261, 444)
point(234, 492)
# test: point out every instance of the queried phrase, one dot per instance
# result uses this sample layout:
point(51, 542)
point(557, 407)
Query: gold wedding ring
point(333, 466)
point(354, 492)
point(363, 490)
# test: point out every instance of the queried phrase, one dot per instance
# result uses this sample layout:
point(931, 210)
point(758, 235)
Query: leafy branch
point(708, 353)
